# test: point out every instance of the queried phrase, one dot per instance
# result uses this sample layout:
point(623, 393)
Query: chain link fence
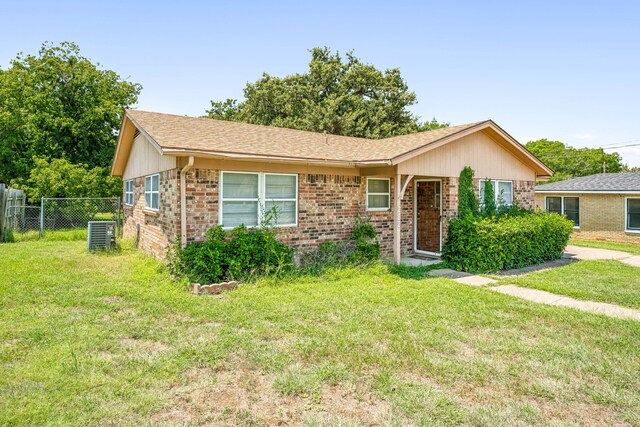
point(60, 215)
point(72, 213)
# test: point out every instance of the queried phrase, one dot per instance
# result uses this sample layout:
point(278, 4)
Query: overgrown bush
point(362, 248)
point(230, 255)
point(512, 240)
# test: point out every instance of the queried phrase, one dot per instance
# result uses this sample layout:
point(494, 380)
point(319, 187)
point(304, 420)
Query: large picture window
point(633, 214)
point(569, 206)
point(502, 190)
point(152, 192)
point(128, 192)
point(378, 194)
point(248, 196)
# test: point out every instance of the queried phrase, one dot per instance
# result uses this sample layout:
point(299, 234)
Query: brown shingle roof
point(189, 134)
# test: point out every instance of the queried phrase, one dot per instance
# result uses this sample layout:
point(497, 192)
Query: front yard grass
point(109, 339)
point(623, 247)
point(603, 281)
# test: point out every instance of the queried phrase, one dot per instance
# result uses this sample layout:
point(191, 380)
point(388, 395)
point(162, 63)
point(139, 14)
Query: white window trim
point(575, 227)
point(127, 192)
point(262, 189)
point(495, 183)
point(146, 191)
point(388, 194)
point(626, 216)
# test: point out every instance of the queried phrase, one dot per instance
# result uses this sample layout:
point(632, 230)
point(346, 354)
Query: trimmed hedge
point(483, 245)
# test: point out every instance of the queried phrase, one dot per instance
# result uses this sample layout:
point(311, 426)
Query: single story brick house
point(183, 175)
point(605, 206)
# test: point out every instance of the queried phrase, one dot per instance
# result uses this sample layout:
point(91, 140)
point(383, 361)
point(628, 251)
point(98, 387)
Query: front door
point(428, 202)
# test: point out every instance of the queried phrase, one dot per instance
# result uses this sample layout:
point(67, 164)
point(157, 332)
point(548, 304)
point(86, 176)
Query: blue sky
point(560, 70)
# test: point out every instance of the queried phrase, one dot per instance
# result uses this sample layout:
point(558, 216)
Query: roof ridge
point(464, 125)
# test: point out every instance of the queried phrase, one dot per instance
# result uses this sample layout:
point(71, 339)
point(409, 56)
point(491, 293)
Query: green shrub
point(467, 200)
point(363, 247)
point(230, 255)
point(489, 196)
point(512, 240)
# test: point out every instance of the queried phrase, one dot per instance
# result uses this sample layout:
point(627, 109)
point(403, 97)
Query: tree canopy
point(59, 104)
point(336, 95)
point(568, 162)
point(61, 178)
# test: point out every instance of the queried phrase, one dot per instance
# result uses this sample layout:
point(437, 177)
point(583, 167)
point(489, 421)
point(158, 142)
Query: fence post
point(3, 203)
point(41, 217)
point(119, 223)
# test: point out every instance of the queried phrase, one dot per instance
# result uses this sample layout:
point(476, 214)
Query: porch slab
point(418, 262)
point(448, 273)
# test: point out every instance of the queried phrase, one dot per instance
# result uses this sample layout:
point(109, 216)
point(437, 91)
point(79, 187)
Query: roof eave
point(589, 191)
point(179, 152)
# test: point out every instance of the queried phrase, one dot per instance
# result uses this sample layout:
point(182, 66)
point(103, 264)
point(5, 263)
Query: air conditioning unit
point(102, 235)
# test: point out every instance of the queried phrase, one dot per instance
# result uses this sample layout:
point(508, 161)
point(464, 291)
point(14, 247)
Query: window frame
point(626, 216)
point(151, 192)
point(128, 193)
point(495, 183)
point(562, 209)
point(274, 200)
point(261, 200)
point(388, 194)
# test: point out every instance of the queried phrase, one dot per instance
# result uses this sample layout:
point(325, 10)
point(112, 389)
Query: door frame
point(415, 216)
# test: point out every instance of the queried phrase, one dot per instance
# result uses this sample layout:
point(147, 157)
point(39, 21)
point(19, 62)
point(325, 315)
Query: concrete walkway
point(544, 297)
point(581, 253)
point(572, 253)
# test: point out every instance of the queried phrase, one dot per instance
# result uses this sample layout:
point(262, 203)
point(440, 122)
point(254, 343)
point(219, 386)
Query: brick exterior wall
point(157, 229)
point(328, 206)
point(602, 216)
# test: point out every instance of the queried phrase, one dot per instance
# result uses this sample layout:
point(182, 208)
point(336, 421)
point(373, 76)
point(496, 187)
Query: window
point(151, 192)
point(633, 214)
point(378, 194)
point(554, 204)
point(569, 206)
point(247, 197)
point(502, 190)
point(128, 192)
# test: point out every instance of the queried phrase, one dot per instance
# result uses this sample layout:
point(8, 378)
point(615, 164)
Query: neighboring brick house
point(183, 175)
point(604, 206)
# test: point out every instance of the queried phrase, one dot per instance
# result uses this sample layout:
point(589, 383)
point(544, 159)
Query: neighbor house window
point(249, 197)
point(128, 192)
point(569, 206)
point(633, 214)
point(152, 192)
point(378, 194)
point(502, 190)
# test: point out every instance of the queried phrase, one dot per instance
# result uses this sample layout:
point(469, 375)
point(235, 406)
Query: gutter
point(243, 156)
point(183, 201)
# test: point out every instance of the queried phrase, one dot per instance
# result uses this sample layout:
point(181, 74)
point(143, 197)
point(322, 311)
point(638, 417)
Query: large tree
point(568, 162)
point(341, 97)
point(59, 104)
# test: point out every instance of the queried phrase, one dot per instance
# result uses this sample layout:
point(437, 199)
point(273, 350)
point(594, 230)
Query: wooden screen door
point(428, 212)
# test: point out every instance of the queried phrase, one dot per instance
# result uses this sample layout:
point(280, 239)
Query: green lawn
point(108, 339)
point(624, 247)
point(604, 281)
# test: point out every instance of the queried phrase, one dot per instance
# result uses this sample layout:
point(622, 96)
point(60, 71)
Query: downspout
point(183, 201)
